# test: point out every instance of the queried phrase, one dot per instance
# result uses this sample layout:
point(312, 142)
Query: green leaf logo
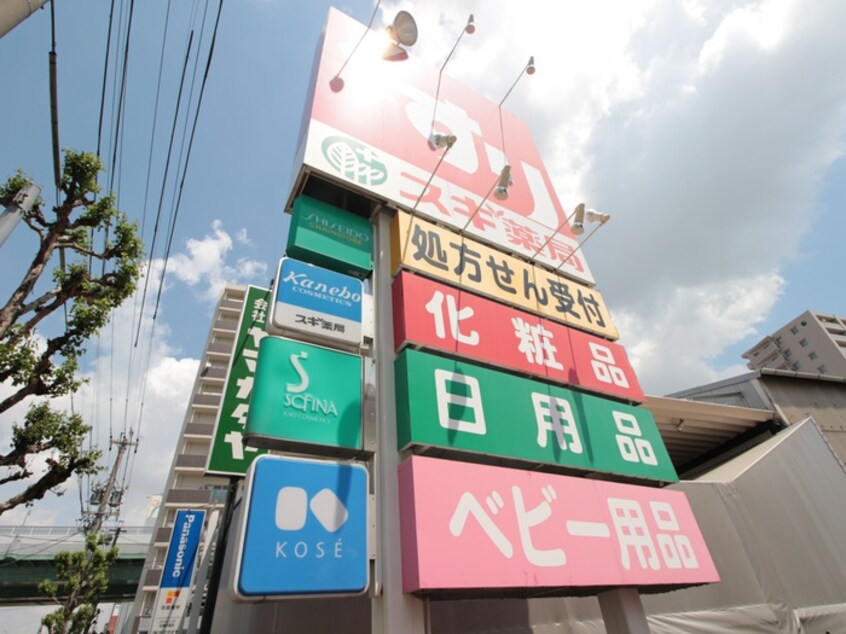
point(354, 160)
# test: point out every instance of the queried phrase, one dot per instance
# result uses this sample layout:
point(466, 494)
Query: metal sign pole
point(392, 610)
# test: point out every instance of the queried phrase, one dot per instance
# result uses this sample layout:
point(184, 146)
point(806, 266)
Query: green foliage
point(82, 578)
point(89, 279)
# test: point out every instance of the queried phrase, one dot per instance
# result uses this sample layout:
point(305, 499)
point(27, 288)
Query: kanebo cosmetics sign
point(316, 304)
point(370, 127)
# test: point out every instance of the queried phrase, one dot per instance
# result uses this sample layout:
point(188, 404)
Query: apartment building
point(812, 343)
point(187, 486)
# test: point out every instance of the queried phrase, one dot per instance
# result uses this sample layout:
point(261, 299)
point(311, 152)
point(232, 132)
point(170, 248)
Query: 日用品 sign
point(369, 129)
point(330, 237)
point(468, 526)
point(229, 455)
point(305, 395)
point(303, 530)
point(461, 406)
point(316, 304)
point(450, 257)
point(458, 322)
point(178, 574)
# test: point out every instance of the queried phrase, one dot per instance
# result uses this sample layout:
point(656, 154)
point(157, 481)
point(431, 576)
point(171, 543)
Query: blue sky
point(712, 133)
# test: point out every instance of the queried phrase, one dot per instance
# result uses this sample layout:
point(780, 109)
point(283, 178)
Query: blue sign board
point(316, 304)
point(304, 529)
point(182, 550)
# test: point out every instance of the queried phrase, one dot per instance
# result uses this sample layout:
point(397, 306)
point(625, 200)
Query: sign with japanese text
point(370, 128)
point(330, 237)
point(304, 531)
point(174, 592)
point(304, 394)
point(450, 257)
point(229, 455)
point(450, 320)
point(468, 526)
point(316, 304)
point(462, 406)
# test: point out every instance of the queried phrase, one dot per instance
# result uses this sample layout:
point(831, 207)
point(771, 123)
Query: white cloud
point(704, 129)
point(205, 262)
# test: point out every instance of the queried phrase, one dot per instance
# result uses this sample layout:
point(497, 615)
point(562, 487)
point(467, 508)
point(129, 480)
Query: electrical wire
point(188, 156)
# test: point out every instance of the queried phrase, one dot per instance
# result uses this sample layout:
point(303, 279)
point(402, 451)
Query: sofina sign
point(305, 395)
point(304, 530)
point(316, 304)
point(465, 407)
point(330, 237)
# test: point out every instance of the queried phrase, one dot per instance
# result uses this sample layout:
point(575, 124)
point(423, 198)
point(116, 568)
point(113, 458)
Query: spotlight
point(578, 226)
point(501, 191)
point(444, 140)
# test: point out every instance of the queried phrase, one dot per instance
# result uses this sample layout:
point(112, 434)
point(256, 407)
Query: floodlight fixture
point(402, 32)
point(336, 83)
point(444, 140)
point(580, 209)
point(469, 29)
point(502, 183)
point(577, 228)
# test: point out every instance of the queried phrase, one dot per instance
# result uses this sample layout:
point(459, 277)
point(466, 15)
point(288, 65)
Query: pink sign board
point(469, 526)
point(443, 318)
point(369, 126)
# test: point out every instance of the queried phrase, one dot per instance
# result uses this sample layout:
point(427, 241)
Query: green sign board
point(461, 406)
point(228, 454)
point(305, 395)
point(330, 237)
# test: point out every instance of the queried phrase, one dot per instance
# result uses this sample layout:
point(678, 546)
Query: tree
point(87, 285)
point(82, 578)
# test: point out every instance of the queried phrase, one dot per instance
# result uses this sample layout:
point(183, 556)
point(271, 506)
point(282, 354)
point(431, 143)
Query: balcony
point(192, 497)
point(220, 348)
point(204, 430)
point(193, 462)
point(206, 400)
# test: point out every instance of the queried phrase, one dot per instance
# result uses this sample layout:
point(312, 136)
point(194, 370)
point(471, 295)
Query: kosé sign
point(316, 304)
point(304, 530)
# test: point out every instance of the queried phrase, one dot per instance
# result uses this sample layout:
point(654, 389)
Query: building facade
point(813, 343)
point(187, 486)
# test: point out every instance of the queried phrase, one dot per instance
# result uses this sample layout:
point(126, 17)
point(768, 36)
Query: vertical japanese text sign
point(229, 455)
point(178, 574)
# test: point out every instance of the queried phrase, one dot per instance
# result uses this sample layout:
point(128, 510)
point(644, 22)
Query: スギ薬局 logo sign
point(373, 134)
point(354, 161)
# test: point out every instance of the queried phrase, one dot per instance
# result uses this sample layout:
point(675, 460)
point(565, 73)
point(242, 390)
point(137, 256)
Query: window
point(778, 341)
point(803, 342)
point(794, 330)
point(812, 356)
point(795, 367)
point(822, 369)
point(787, 354)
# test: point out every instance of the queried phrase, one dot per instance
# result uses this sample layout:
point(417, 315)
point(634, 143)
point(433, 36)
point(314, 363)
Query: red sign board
point(443, 318)
point(370, 126)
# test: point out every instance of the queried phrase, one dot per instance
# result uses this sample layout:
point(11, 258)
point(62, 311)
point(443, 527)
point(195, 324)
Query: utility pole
point(102, 496)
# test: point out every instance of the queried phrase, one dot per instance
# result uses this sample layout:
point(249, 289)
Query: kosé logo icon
point(354, 160)
point(292, 506)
